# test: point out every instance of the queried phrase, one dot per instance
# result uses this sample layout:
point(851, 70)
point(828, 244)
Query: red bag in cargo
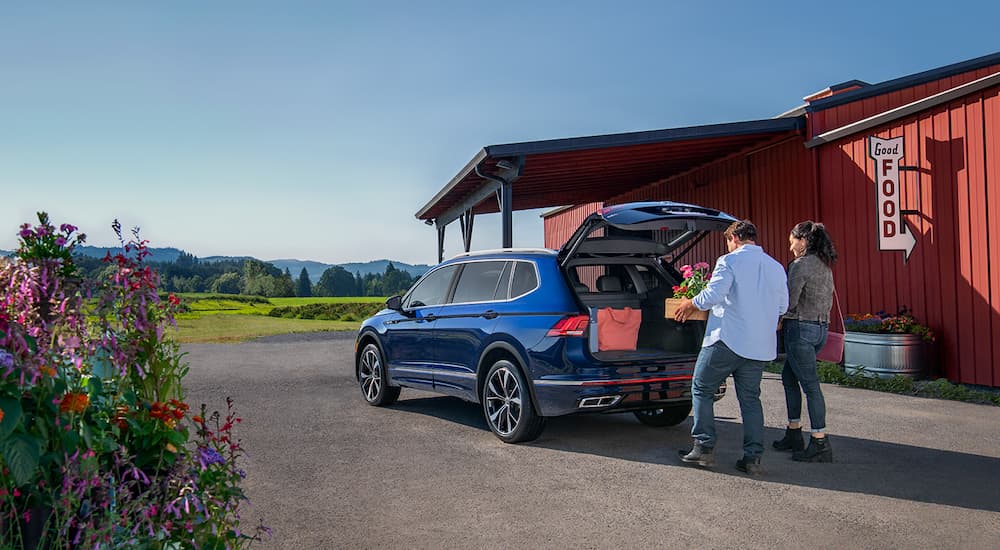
point(618, 329)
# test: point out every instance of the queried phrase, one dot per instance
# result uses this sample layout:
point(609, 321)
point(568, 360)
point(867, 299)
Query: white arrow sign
point(893, 232)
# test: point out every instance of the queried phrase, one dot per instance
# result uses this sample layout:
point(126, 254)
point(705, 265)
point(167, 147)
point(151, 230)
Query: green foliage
point(228, 283)
point(351, 311)
point(335, 281)
point(94, 440)
point(303, 288)
point(832, 373)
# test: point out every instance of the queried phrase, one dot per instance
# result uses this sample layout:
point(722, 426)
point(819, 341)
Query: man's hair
point(743, 230)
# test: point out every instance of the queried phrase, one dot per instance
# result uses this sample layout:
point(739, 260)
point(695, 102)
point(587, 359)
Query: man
point(747, 295)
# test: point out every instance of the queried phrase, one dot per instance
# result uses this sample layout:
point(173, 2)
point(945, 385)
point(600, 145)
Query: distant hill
point(157, 254)
point(313, 268)
point(316, 269)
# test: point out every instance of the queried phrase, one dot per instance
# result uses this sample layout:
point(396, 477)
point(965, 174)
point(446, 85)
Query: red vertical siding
point(560, 226)
point(991, 160)
point(948, 281)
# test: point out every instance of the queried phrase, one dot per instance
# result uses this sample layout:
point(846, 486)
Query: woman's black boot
point(791, 442)
point(819, 450)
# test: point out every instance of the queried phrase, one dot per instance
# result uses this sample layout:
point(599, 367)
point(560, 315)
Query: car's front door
point(409, 339)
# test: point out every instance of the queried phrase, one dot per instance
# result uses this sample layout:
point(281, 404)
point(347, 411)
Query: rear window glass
point(525, 279)
point(478, 282)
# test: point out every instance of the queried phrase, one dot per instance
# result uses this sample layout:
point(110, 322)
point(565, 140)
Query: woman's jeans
point(803, 339)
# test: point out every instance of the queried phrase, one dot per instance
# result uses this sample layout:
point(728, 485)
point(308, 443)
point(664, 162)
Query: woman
point(804, 327)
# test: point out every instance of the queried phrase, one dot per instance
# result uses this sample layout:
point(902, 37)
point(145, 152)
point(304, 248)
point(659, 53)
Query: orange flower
point(74, 402)
point(47, 370)
point(1, 415)
point(198, 419)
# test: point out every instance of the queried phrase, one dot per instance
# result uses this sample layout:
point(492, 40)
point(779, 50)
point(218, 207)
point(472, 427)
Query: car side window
point(478, 282)
point(525, 279)
point(504, 284)
point(433, 290)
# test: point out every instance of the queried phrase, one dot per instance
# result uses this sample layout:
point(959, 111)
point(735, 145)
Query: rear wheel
point(373, 379)
point(507, 404)
point(665, 416)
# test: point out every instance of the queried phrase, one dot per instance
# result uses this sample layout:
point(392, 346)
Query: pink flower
point(701, 265)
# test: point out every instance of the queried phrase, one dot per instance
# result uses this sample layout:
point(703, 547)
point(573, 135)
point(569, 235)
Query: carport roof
point(594, 168)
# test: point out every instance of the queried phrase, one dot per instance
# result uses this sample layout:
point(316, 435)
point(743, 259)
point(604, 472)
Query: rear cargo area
point(657, 337)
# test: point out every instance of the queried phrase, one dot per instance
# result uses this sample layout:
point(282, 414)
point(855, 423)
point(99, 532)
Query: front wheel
point(373, 379)
point(665, 416)
point(507, 404)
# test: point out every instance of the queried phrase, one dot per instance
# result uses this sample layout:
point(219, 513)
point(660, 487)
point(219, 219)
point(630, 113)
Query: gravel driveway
point(328, 471)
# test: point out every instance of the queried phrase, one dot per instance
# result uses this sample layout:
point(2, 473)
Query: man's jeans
point(715, 363)
point(802, 341)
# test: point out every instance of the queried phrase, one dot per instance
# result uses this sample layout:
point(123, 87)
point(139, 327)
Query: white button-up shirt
point(747, 294)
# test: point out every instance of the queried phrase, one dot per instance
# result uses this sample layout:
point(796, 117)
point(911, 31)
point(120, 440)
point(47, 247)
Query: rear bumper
point(561, 396)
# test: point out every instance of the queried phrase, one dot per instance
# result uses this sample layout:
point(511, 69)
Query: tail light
point(573, 325)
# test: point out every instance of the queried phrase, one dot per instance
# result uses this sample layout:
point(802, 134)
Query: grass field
point(219, 318)
point(240, 328)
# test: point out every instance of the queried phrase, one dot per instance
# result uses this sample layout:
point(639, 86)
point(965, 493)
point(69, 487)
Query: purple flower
point(67, 228)
point(208, 456)
point(60, 241)
point(6, 359)
point(27, 233)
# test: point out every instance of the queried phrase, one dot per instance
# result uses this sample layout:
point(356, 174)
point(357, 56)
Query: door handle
point(491, 314)
point(430, 317)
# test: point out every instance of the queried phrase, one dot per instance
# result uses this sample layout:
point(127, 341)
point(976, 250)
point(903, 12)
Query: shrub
point(95, 437)
point(941, 388)
point(348, 311)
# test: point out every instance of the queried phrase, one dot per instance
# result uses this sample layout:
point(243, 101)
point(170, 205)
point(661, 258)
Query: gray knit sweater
point(810, 289)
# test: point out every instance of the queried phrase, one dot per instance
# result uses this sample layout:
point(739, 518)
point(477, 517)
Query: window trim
point(510, 279)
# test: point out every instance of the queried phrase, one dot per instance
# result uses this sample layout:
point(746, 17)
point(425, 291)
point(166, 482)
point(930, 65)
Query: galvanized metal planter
point(885, 355)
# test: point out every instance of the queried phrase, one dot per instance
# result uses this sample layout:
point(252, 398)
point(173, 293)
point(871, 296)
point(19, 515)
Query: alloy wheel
point(503, 401)
point(371, 374)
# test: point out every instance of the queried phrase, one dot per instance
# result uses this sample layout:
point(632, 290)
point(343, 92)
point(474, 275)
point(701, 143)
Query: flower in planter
point(696, 277)
point(903, 322)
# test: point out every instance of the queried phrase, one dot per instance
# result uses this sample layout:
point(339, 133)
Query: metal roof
point(906, 110)
point(904, 82)
point(594, 168)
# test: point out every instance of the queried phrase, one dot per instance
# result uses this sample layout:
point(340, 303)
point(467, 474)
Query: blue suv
point(515, 330)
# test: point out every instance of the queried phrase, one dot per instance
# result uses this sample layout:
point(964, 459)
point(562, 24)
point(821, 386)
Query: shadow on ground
point(862, 466)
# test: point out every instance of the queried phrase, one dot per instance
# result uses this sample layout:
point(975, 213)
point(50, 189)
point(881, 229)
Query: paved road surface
point(328, 471)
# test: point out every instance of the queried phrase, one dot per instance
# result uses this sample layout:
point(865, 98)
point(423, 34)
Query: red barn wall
point(947, 281)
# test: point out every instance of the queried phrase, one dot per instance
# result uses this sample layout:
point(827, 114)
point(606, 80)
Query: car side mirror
point(394, 303)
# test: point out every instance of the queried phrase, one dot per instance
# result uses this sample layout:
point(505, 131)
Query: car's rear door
point(463, 325)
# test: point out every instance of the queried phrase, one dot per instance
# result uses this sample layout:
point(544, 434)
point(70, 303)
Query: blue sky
point(315, 130)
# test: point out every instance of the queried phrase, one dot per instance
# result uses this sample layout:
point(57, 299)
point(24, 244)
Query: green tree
point(228, 283)
point(395, 281)
point(335, 281)
point(304, 287)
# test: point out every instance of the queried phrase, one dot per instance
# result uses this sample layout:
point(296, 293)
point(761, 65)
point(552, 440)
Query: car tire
point(372, 378)
point(507, 404)
point(665, 416)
